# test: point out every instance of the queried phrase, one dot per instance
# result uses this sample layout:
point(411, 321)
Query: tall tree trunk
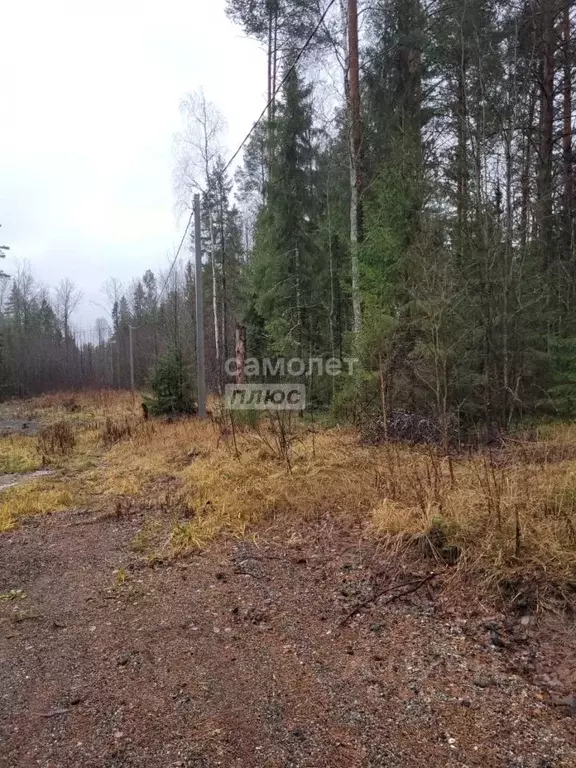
point(274, 62)
point(527, 159)
point(224, 297)
point(461, 157)
point(240, 354)
point(269, 61)
point(298, 300)
point(271, 55)
point(546, 130)
point(331, 318)
point(356, 181)
point(567, 132)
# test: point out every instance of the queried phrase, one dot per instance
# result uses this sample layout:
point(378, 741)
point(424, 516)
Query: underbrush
point(57, 439)
point(505, 518)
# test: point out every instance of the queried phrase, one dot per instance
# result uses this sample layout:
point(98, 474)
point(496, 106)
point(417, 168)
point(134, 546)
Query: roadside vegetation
point(505, 517)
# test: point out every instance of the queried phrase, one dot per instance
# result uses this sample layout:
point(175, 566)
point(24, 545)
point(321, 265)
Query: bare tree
point(197, 148)
point(113, 289)
point(68, 297)
point(103, 330)
point(3, 249)
point(4, 288)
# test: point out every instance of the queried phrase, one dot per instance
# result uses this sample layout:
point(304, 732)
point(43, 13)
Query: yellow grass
point(33, 498)
point(508, 513)
point(18, 454)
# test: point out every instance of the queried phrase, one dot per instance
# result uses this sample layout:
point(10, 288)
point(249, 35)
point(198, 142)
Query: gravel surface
point(244, 656)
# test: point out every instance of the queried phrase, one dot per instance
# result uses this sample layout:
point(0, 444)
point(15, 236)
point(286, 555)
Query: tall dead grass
point(507, 517)
point(507, 520)
point(34, 498)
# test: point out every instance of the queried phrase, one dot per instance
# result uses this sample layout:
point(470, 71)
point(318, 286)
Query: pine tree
point(284, 252)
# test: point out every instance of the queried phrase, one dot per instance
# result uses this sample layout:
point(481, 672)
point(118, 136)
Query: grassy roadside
point(505, 518)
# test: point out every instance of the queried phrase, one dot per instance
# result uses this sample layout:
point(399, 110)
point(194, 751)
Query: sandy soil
point(238, 657)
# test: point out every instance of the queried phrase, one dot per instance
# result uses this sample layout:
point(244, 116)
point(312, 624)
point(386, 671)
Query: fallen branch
point(414, 586)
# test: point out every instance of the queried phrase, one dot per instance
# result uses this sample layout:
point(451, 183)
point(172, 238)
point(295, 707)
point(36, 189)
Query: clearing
point(164, 603)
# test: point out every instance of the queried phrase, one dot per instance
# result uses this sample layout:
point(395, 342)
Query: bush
point(115, 430)
point(358, 400)
point(57, 438)
point(171, 386)
point(71, 405)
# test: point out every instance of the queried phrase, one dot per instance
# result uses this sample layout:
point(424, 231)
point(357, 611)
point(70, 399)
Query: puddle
point(9, 481)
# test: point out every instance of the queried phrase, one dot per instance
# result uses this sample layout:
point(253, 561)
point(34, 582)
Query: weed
point(144, 539)
point(121, 576)
point(20, 616)
point(56, 439)
point(18, 454)
point(14, 594)
point(71, 405)
point(115, 429)
point(506, 516)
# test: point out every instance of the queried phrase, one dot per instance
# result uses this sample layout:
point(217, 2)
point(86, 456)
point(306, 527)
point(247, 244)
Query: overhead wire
point(269, 103)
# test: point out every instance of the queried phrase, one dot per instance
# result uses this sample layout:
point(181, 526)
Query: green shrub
point(170, 384)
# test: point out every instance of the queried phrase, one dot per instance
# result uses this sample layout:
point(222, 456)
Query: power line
point(291, 68)
point(176, 256)
point(299, 55)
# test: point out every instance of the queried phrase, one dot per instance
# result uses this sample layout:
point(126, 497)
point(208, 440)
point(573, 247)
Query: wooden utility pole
point(355, 120)
point(130, 330)
point(200, 362)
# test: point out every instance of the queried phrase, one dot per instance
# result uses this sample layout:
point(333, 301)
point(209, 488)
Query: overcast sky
point(89, 104)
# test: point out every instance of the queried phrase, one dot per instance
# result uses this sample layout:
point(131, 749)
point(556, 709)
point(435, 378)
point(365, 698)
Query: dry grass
point(18, 454)
point(508, 517)
point(34, 498)
point(74, 406)
point(57, 439)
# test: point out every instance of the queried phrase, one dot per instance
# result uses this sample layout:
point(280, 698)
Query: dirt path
point(236, 658)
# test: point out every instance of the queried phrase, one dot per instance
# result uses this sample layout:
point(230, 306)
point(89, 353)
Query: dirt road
point(237, 658)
